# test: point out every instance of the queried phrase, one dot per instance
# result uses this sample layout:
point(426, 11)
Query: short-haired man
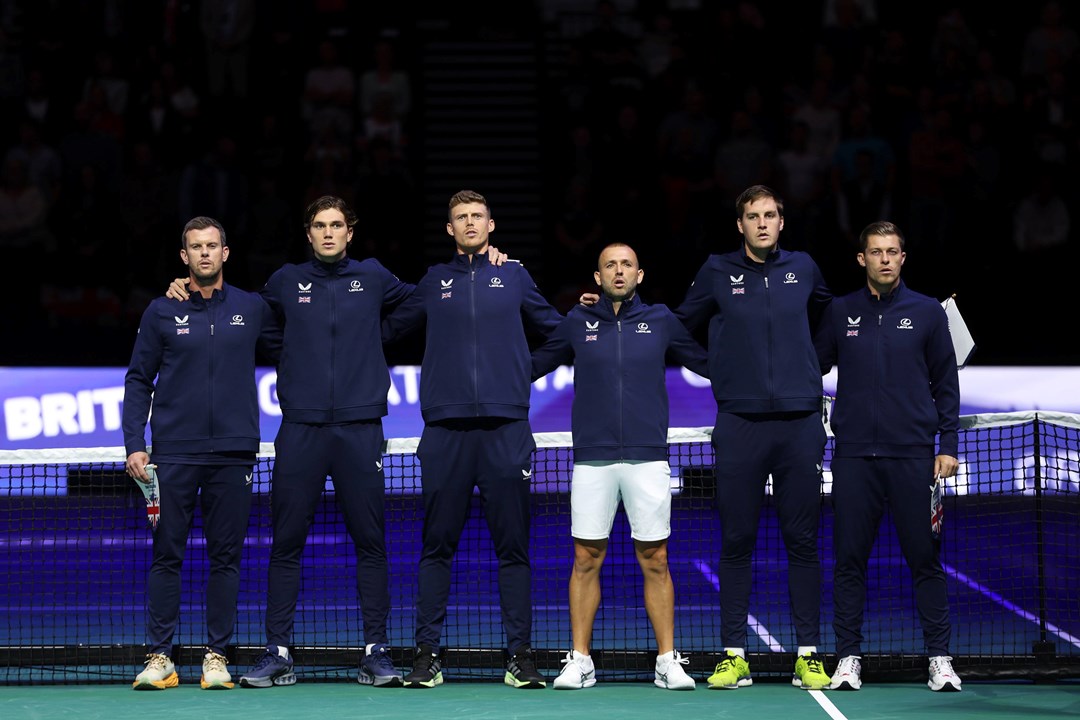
point(897, 389)
point(474, 397)
point(619, 423)
point(195, 363)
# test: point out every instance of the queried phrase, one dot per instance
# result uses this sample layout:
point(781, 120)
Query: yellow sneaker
point(810, 673)
point(731, 673)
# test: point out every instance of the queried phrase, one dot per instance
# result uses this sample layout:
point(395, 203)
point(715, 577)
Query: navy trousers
point(495, 456)
point(224, 494)
point(748, 449)
point(351, 454)
point(861, 488)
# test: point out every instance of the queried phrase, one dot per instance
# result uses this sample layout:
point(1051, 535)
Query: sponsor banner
point(81, 407)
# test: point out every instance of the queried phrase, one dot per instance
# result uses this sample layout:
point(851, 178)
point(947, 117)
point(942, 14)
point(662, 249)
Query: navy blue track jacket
point(476, 362)
point(897, 383)
point(203, 354)
point(620, 407)
point(332, 367)
point(761, 350)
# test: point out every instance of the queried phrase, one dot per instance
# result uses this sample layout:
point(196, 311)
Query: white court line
point(826, 705)
point(1011, 607)
point(760, 630)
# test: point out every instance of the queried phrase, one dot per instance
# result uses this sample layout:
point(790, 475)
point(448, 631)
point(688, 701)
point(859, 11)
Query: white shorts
point(645, 490)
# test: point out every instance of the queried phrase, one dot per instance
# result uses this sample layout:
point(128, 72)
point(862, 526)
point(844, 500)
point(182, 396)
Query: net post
point(1040, 537)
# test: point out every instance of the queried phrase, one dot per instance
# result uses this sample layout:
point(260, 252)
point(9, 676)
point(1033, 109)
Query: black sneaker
point(521, 671)
point(427, 669)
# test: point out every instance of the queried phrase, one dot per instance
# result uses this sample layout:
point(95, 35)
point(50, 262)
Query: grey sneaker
point(270, 670)
point(376, 668)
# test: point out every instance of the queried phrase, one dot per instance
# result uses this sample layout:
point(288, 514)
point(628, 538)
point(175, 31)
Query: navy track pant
point(494, 456)
point(351, 454)
point(224, 494)
point(748, 449)
point(861, 489)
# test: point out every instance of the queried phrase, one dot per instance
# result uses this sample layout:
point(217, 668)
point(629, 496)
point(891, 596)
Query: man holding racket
point(897, 388)
point(195, 362)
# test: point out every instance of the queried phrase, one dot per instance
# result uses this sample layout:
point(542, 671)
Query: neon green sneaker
point(732, 673)
point(810, 673)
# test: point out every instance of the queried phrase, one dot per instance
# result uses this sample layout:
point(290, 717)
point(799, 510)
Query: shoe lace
point(381, 659)
point(727, 664)
point(849, 665)
point(156, 661)
point(424, 662)
point(941, 666)
point(813, 664)
point(681, 659)
point(214, 662)
point(522, 662)
point(267, 658)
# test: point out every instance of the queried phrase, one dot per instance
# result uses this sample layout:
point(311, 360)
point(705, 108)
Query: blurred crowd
point(955, 120)
point(120, 120)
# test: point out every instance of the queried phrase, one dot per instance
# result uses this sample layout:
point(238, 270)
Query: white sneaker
point(214, 674)
point(848, 675)
point(158, 675)
point(942, 676)
point(578, 672)
point(670, 674)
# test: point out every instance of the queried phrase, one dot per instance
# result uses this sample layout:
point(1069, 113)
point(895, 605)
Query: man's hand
point(178, 290)
point(589, 299)
point(945, 466)
point(136, 466)
point(495, 257)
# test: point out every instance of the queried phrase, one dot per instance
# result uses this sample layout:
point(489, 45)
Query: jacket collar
point(891, 297)
point(627, 307)
point(479, 260)
point(215, 297)
point(327, 269)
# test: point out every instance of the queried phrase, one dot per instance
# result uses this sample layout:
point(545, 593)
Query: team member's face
point(204, 255)
point(760, 225)
point(329, 235)
point(619, 273)
point(882, 259)
point(470, 224)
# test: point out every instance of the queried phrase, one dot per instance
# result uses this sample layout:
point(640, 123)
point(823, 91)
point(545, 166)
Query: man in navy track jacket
point(332, 385)
point(195, 363)
point(760, 303)
point(897, 389)
point(474, 397)
point(620, 426)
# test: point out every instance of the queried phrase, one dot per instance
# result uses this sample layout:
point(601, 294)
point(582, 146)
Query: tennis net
point(75, 552)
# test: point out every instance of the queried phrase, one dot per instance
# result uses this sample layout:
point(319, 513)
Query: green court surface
point(478, 700)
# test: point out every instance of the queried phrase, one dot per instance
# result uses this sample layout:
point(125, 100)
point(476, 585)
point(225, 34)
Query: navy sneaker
point(376, 668)
point(270, 670)
point(427, 669)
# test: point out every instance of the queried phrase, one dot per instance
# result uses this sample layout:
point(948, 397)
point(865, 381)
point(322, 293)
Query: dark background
point(120, 120)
